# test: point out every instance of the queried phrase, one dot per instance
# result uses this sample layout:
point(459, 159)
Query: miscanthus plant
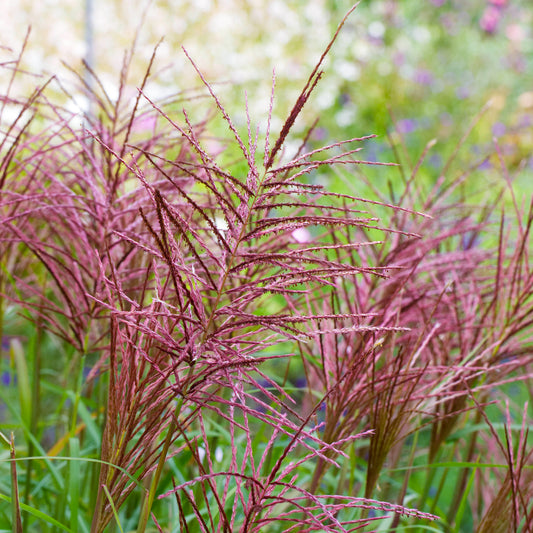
point(219, 342)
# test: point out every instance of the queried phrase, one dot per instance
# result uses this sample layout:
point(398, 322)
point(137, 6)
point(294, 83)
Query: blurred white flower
point(221, 224)
point(376, 29)
point(219, 454)
point(348, 70)
point(345, 116)
point(201, 453)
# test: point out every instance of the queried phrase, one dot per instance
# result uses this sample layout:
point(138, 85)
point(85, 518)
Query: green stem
point(461, 486)
point(150, 495)
point(35, 403)
point(78, 387)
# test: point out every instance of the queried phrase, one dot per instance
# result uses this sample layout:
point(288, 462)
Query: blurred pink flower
point(145, 123)
point(515, 33)
point(490, 19)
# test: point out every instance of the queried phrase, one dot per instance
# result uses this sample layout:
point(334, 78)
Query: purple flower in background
point(470, 240)
point(438, 3)
point(398, 59)
point(446, 120)
point(498, 129)
point(406, 125)
point(424, 77)
point(300, 382)
point(373, 152)
point(485, 165)
point(525, 121)
point(320, 134)
point(345, 99)
point(5, 379)
point(462, 92)
point(435, 161)
point(5, 343)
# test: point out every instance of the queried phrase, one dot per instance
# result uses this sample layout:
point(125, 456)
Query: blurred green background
point(414, 70)
point(429, 60)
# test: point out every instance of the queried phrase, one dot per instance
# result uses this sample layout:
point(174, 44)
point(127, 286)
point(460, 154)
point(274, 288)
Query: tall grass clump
point(201, 336)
